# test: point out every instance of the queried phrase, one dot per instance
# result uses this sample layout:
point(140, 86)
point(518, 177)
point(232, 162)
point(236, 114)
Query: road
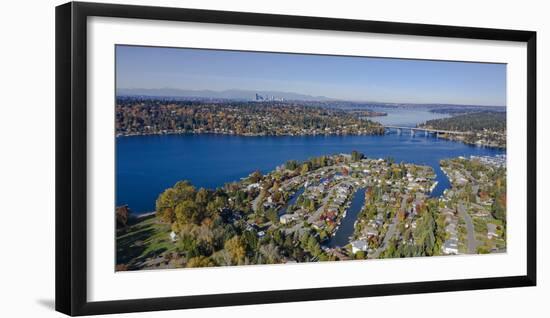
point(472, 242)
point(391, 230)
point(317, 214)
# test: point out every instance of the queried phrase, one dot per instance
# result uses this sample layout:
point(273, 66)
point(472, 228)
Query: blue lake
point(147, 165)
point(405, 116)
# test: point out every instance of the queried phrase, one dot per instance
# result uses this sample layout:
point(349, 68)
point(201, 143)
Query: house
point(359, 245)
point(319, 224)
point(371, 232)
point(173, 236)
point(447, 211)
point(491, 230)
point(269, 205)
point(252, 186)
point(450, 246)
point(287, 218)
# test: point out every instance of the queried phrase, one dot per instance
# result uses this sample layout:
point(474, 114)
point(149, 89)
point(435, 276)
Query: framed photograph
point(208, 158)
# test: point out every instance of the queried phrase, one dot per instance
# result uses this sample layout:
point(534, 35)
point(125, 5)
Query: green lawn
point(142, 240)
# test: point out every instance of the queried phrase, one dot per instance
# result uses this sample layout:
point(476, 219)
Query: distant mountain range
point(236, 94)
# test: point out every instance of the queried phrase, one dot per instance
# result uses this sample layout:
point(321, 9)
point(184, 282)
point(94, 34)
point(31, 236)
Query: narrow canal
point(292, 201)
point(346, 228)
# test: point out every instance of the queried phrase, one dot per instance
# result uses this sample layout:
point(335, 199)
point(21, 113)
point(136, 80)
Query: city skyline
point(367, 79)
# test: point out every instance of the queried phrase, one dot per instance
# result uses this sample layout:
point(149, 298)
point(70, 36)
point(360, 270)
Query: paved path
point(472, 242)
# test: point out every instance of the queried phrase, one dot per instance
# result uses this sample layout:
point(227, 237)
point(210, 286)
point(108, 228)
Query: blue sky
point(347, 78)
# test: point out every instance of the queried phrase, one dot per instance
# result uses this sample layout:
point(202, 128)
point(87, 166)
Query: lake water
point(403, 116)
point(147, 165)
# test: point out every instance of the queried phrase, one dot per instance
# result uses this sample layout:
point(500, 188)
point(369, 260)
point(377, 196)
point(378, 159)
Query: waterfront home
point(359, 245)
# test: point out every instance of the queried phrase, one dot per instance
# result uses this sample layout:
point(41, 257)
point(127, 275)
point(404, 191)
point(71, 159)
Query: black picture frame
point(71, 157)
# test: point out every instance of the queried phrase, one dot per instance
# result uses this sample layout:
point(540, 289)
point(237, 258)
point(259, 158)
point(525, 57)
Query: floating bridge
point(427, 131)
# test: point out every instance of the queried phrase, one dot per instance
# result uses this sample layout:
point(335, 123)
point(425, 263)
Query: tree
point(236, 249)
point(356, 156)
point(121, 214)
point(288, 243)
point(305, 169)
point(184, 191)
point(205, 235)
point(187, 245)
point(222, 258)
point(291, 165)
point(171, 197)
point(256, 176)
point(165, 206)
point(276, 196)
point(272, 215)
point(498, 208)
point(270, 252)
point(250, 240)
point(202, 197)
point(187, 212)
point(278, 237)
point(201, 261)
point(313, 246)
point(391, 249)
point(483, 250)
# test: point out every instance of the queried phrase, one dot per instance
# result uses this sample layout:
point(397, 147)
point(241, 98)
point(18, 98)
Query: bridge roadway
point(428, 130)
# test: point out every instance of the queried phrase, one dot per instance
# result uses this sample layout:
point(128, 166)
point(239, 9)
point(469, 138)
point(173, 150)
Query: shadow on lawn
point(130, 244)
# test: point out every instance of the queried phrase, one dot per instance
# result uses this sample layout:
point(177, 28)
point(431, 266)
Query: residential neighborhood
point(302, 211)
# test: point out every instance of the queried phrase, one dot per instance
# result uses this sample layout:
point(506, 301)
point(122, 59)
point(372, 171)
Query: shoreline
point(119, 135)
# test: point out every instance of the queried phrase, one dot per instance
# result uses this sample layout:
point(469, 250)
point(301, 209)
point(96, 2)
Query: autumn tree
point(171, 197)
point(122, 213)
point(236, 249)
point(188, 212)
point(201, 261)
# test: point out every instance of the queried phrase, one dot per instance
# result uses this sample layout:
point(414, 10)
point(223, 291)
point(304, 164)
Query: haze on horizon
point(386, 80)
